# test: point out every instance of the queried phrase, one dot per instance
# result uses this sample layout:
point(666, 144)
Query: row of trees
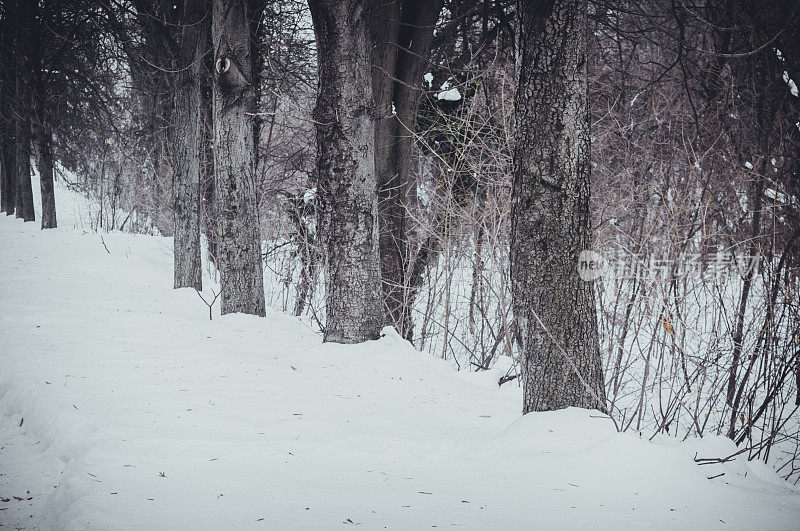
point(25, 84)
point(371, 58)
point(433, 160)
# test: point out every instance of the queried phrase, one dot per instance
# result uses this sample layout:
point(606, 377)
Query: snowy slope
point(109, 378)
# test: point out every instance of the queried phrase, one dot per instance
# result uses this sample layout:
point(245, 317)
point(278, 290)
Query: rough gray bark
point(7, 93)
point(209, 201)
point(255, 17)
point(347, 186)
point(42, 129)
point(401, 33)
point(8, 167)
point(44, 143)
point(550, 210)
point(241, 270)
point(191, 45)
point(23, 193)
point(208, 212)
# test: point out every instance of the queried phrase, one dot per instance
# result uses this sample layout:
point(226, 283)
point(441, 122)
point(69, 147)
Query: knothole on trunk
point(222, 65)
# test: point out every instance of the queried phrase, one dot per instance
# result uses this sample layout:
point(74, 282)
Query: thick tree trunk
point(23, 193)
point(554, 308)
point(401, 33)
point(241, 270)
point(8, 163)
point(347, 187)
point(44, 148)
point(191, 47)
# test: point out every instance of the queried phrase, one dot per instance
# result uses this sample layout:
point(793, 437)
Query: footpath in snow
point(123, 407)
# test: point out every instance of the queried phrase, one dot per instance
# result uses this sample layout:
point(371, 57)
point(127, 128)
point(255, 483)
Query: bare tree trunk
point(23, 194)
point(191, 47)
point(208, 186)
point(401, 33)
point(554, 308)
point(209, 212)
point(298, 210)
point(8, 167)
point(44, 143)
point(8, 163)
point(347, 187)
point(241, 269)
point(43, 131)
point(255, 16)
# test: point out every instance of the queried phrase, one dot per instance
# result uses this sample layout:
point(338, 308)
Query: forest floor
point(122, 406)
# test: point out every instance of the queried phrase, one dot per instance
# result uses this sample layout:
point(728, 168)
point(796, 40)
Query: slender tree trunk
point(241, 270)
point(347, 187)
point(255, 15)
point(44, 143)
point(43, 132)
point(23, 194)
point(401, 33)
point(8, 165)
point(191, 47)
point(554, 308)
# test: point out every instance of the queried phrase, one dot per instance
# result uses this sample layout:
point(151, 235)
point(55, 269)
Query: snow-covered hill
point(123, 407)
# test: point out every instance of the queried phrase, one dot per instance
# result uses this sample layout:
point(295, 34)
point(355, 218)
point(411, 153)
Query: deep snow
point(137, 412)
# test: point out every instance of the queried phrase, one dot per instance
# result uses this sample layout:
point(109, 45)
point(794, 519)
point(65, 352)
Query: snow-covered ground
point(123, 407)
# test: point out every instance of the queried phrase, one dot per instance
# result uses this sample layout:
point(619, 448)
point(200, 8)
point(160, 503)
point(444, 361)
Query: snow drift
point(123, 407)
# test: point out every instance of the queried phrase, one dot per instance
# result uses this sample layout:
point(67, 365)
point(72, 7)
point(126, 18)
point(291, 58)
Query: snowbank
point(123, 407)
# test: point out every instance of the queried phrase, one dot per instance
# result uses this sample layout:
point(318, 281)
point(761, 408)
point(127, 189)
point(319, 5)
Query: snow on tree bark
point(191, 46)
point(554, 308)
point(347, 185)
point(241, 270)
